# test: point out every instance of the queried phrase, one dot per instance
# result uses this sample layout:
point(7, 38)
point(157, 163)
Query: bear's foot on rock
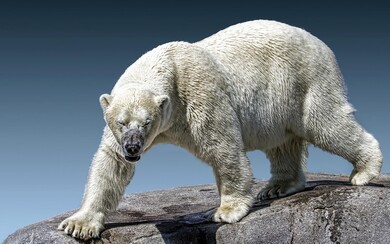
point(230, 212)
point(275, 190)
point(360, 178)
point(83, 226)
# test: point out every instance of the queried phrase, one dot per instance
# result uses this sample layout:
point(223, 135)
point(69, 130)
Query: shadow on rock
point(310, 185)
point(191, 228)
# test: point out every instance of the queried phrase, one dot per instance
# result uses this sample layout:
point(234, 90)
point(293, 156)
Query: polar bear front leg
point(234, 180)
point(107, 181)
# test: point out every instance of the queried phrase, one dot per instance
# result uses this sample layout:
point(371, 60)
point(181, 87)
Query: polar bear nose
point(133, 148)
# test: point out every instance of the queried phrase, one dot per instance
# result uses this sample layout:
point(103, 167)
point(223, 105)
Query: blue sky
point(57, 58)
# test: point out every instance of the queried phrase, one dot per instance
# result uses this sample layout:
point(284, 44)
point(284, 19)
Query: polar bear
point(258, 85)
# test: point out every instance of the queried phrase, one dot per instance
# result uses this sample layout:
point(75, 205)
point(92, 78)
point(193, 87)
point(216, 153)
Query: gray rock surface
point(330, 210)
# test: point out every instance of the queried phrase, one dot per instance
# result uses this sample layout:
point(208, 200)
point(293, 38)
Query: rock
point(330, 210)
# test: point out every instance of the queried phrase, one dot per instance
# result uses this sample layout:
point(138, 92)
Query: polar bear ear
point(162, 101)
point(105, 100)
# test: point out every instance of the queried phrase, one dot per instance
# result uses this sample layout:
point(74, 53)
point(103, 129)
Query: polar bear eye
point(121, 123)
point(147, 122)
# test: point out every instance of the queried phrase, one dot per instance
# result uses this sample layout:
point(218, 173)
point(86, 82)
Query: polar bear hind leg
point(287, 168)
point(332, 127)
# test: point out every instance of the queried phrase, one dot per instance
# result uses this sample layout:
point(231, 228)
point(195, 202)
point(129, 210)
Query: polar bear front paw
point(229, 212)
point(83, 226)
point(275, 190)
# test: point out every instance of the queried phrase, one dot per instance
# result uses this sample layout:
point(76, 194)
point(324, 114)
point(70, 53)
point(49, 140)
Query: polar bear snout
point(132, 149)
point(132, 145)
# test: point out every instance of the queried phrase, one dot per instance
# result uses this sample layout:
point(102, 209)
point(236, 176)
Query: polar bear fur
point(255, 85)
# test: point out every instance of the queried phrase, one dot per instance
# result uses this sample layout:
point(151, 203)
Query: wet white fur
point(256, 85)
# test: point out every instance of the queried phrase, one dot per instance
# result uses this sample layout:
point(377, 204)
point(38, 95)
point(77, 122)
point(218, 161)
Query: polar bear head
point(135, 119)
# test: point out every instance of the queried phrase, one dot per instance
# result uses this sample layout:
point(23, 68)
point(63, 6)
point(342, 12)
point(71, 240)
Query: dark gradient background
point(57, 58)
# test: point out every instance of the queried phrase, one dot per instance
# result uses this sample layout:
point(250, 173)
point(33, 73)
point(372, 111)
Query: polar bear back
point(259, 47)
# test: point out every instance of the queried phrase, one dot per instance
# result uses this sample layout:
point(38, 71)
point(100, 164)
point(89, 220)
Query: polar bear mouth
point(133, 158)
